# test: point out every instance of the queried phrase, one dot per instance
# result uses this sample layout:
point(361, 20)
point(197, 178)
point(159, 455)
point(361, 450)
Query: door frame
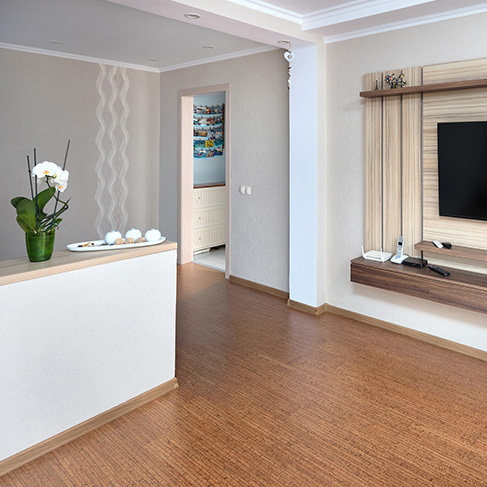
point(185, 171)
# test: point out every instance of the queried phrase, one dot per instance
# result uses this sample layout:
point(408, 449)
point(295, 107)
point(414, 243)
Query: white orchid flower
point(61, 180)
point(46, 169)
point(61, 186)
point(61, 176)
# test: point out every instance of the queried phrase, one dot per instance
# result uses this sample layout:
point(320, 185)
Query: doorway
point(204, 174)
point(209, 180)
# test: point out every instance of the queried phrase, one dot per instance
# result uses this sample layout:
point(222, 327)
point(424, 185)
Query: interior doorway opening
point(209, 180)
point(204, 223)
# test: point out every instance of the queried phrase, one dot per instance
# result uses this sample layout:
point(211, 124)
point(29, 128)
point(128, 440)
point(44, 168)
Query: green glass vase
point(39, 246)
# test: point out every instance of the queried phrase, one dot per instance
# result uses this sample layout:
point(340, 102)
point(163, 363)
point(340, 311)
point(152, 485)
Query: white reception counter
point(85, 337)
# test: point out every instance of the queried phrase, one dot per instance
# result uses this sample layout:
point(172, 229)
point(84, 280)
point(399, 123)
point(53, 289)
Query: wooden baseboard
point(259, 287)
point(419, 335)
point(311, 310)
point(70, 434)
point(327, 308)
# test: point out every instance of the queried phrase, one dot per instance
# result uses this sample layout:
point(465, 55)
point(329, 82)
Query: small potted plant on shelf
point(394, 82)
point(38, 225)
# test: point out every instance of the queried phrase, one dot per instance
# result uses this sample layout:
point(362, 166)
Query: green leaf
point(17, 200)
point(27, 222)
point(26, 207)
point(44, 196)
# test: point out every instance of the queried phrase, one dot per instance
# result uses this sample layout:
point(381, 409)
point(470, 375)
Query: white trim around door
point(185, 171)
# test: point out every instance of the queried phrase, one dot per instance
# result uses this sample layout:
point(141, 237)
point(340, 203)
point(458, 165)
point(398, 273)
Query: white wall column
point(307, 171)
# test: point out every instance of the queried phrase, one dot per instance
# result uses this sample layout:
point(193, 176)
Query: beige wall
point(46, 100)
point(347, 62)
point(259, 158)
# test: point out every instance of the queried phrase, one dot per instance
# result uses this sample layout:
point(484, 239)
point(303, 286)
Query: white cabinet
point(208, 217)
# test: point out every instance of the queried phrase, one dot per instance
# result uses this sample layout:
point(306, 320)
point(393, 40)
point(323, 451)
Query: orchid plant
point(31, 215)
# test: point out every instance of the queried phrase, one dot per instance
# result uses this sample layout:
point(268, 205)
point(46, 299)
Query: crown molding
point(269, 9)
point(333, 15)
point(356, 9)
point(77, 57)
point(215, 59)
point(427, 19)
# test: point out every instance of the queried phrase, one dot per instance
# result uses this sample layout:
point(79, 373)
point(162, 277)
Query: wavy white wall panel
point(112, 140)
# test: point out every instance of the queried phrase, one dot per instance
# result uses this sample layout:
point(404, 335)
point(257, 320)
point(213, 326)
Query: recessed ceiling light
point(283, 42)
point(193, 16)
point(152, 59)
point(55, 42)
point(209, 46)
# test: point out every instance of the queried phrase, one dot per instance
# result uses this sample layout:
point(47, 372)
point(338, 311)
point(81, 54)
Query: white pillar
point(307, 185)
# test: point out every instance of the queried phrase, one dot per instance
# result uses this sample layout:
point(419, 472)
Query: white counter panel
point(78, 343)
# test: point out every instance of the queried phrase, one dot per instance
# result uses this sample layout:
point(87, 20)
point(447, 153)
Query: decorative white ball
point(134, 233)
point(152, 235)
point(111, 236)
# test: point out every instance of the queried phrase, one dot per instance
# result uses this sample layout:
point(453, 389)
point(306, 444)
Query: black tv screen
point(462, 169)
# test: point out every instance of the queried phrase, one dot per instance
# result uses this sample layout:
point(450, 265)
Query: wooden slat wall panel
point(458, 71)
point(373, 165)
point(411, 164)
point(393, 187)
point(464, 105)
point(391, 151)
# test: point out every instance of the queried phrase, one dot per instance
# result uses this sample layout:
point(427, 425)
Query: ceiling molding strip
point(357, 9)
point(76, 57)
point(151, 69)
point(224, 57)
point(427, 19)
point(267, 8)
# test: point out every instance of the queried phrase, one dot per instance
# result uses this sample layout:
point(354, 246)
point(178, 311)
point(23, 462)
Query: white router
point(376, 255)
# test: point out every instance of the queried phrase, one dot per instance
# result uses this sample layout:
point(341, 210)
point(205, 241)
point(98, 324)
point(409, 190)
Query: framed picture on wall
point(208, 130)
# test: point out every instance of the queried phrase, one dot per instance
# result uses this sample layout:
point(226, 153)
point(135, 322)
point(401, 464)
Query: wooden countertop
point(17, 270)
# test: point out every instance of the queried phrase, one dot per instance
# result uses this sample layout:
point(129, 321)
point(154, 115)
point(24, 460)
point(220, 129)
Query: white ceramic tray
point(98, 245)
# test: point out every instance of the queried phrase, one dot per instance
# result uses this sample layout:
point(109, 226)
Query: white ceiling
point(107, 31)
point(135, 32)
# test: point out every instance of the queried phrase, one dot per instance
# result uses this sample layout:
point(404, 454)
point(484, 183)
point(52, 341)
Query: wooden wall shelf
point(469, 253)
point(433, 88)
point(463, 289)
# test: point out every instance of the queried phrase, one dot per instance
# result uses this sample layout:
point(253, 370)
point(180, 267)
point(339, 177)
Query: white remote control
point(438, 244)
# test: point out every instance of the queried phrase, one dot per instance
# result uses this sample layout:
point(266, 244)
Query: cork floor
point(270, 396)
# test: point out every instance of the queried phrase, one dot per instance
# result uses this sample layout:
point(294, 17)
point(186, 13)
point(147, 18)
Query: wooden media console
point(463, 289)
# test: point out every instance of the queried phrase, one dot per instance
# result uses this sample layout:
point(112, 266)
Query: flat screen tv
point(462, 169)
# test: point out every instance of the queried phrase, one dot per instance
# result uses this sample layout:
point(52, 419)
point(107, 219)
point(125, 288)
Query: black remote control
point(439, 270)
